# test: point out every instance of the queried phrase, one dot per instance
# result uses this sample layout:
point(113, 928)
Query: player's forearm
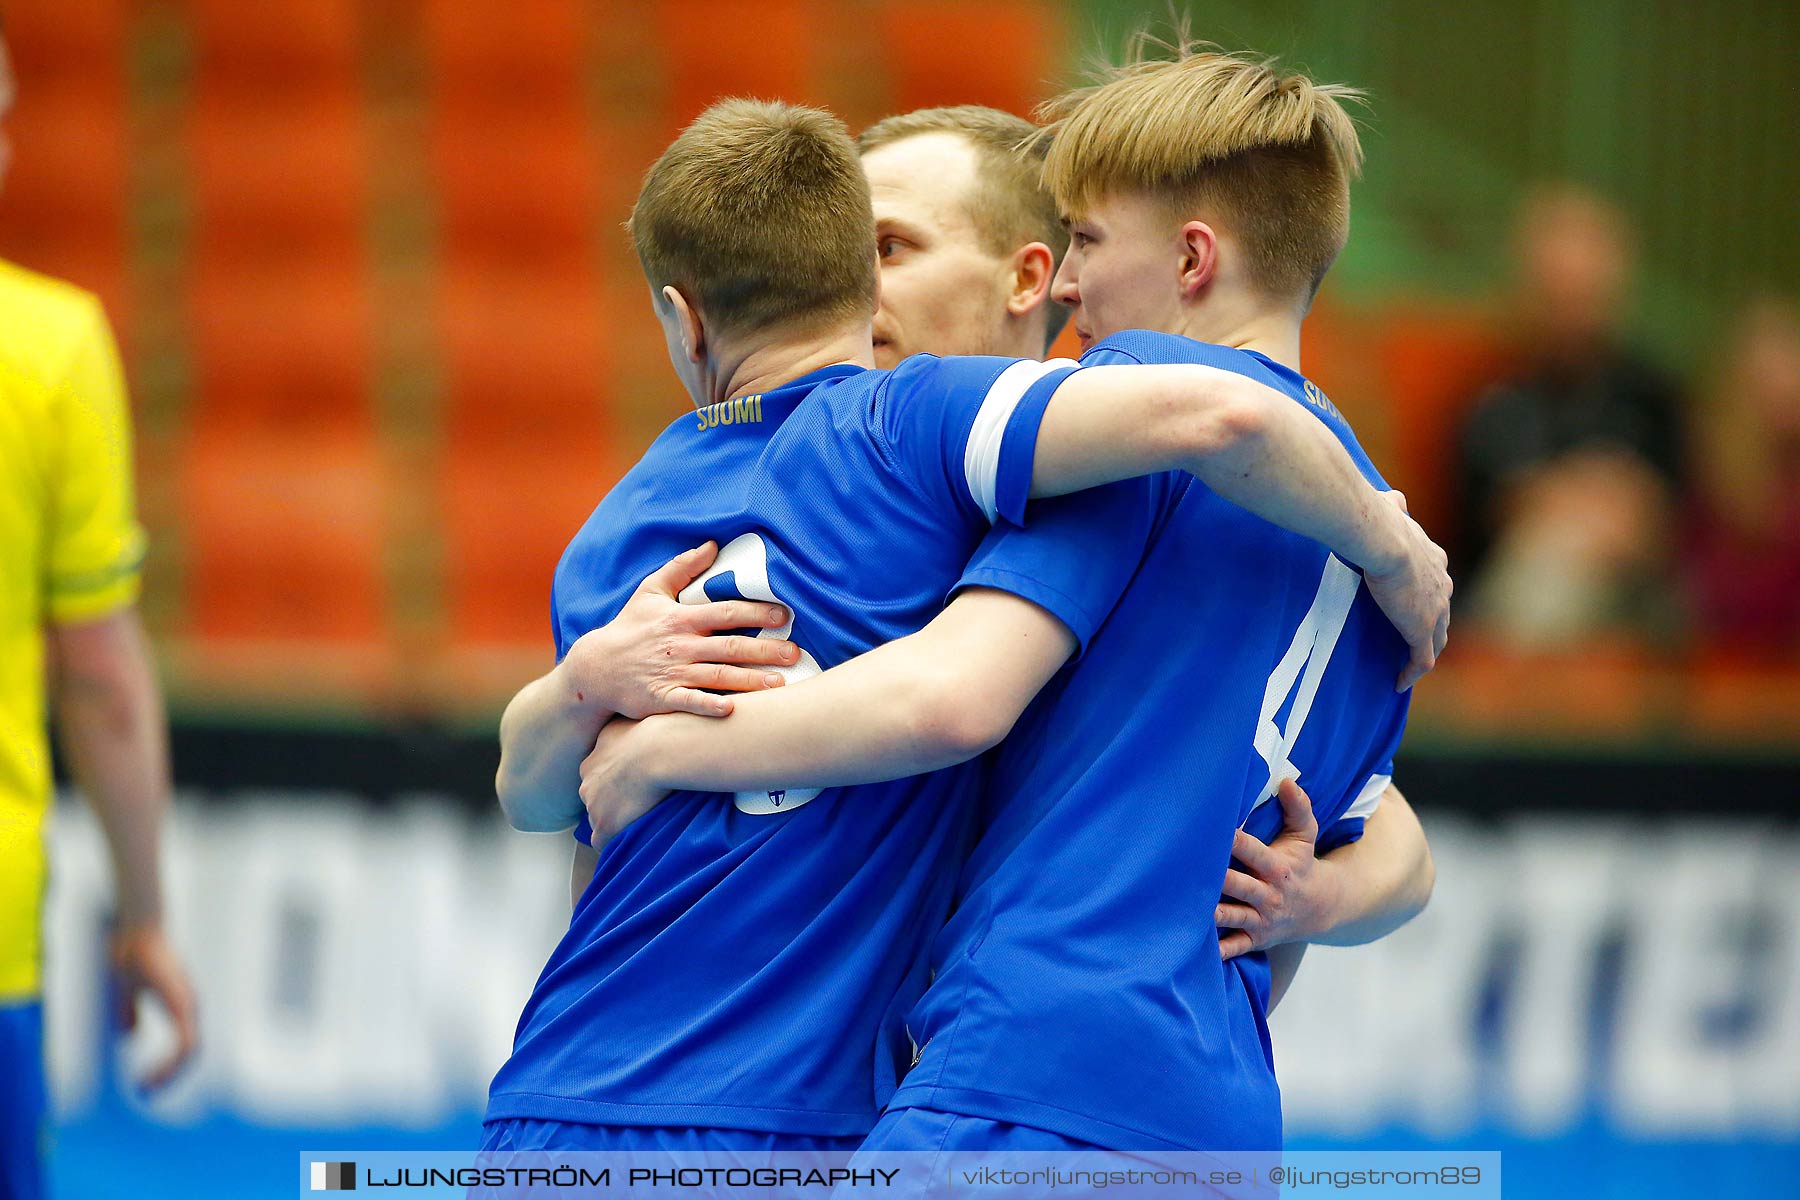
point(881, 716)
point(1249, 443)
point(938, 697)
point(1281, 463)
point(1386, 877)
point(110, 721)
point(546, 731)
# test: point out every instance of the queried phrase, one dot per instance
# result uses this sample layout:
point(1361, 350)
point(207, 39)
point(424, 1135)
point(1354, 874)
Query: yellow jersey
point(70, 548)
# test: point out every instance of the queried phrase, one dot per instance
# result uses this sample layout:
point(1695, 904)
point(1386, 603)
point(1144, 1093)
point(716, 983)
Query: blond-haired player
point(729, 974)
point(69, 553)
point(969, 239)
point(1079, 997)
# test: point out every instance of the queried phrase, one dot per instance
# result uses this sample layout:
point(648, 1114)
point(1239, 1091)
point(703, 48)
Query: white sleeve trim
point(1369, 799)
point(981, 458)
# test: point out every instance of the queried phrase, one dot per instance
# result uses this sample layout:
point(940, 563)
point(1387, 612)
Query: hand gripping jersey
point(737, 961)
point(1078, 986)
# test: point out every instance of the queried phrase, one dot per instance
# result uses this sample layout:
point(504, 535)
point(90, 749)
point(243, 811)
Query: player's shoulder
point(914, 373)
point(845, 392)
point(583, 567)
point(1149, 347)
point(34, 301)
point(1145, 346)
point(22, 282)
point(45, 322)
point(931, 372)
point(947, 395)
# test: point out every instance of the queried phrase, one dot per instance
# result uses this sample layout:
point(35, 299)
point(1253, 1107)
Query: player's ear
point(693, 329)
point(1033, 270)
point(1199, 253)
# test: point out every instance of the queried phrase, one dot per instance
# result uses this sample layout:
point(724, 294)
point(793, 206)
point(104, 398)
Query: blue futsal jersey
point(737, 962)
point(1078, 986)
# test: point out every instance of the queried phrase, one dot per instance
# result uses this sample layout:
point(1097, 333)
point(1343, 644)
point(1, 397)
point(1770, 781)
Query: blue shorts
point(929, 1129)
point(663, 1148)
point(525, 1133)
point(23, 1130)
point(918, 1139)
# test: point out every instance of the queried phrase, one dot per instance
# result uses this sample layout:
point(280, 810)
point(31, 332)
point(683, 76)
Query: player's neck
point(1023, 337)
point(1273, 334)
point(768, 364)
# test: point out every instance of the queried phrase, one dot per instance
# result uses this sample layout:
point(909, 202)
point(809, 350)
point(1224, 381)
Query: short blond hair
point(1273, 154)
point(759, 213)
point(1010, 205)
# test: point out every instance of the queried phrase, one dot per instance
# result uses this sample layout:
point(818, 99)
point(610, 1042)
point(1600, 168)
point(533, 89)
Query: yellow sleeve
point(96, 545)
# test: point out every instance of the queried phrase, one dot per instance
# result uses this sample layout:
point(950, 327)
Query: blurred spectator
point(1743, 554)
point(1570, 467)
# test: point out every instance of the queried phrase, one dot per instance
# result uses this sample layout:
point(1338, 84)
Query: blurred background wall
point(388, 342)
point(388, 346)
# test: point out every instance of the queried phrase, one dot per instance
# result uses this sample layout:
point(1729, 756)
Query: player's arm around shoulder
point(1285, 899)
point(923, 702)
point(1283, 893)
point(1388, 874)
point(1258, 449)
point(657, 656)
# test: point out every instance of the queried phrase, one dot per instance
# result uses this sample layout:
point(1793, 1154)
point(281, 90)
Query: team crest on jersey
point(744, 410)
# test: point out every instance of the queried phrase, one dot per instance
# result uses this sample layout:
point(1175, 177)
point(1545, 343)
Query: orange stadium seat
point(522, 347)
point(274, 45)
point(284, 533)
point(1607, 689)
point(520, 316)
point(524, 458)
point(276, 125)
point(278, 292)
point(1430, 363)
point(524, 56)
point(279, 285)
point(1741, 697)
point(510, 505)
point(279, 175)
point(283, 482)
point(704, 55)
point(281, 343)
point(515, 182)
point(69, 148)
point(63, 207)
point(1002, 53)
point(83, 32)
point(1334, 349)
